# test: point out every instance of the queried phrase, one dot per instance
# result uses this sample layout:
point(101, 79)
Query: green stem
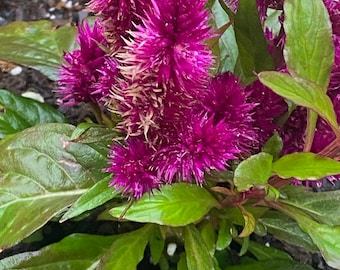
point(312, 117)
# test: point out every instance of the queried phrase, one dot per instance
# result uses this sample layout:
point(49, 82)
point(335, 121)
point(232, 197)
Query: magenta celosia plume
point(88, 73)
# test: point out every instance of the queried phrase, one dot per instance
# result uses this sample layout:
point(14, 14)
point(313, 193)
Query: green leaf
point(301, 92)
point(40, 178)
point(224, 236)
point(197, 253)
point(305, 166)
point(253, 53)
point(244, 246)
point(327, 238)
point(174, 205)
point(127, 251)
point(95, 196)
point(182, 263)
point(76, 251)
point(277, 264)
point(156, 244)
point(312, 61)
point(18, 113)
point(323, 206)
point(262, 252)
point(287, 230)
point(273, 146)
point(227, 46)
point(36, 44)
point(208, 234)
point(255, 170)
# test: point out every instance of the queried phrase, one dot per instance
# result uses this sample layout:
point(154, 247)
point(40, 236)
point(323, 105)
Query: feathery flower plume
point(200, 146)
point(131, 165)
point(84, 68)
point(118, 17)
point(170, 43)
point(225, 100)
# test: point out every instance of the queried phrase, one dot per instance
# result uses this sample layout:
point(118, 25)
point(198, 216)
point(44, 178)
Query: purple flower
point(225, 100)
point(269, 107)
point(84, 68)
point(131, 165)
point(118, 17)
point(170, 43)
point(198, 147)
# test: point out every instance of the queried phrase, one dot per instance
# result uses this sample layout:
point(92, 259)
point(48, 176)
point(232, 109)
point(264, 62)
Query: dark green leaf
point(127, 251)
point(252, 46)
point(156, 244)
point(255, 170)
point(305, 166)
point(77, 251)
point(227, 46)
point(197, 253)
point(97, 195)
point(327, 238)
point(244, 246)
point(262, 252)
point(224, 236)
point(36, 44)
point(40, 178)
point(174, 205)
point(273, 146)
point(18, 113)
point(301, 92)
point(307, 21)
point(323, 206)
point(287, 230)
point(277, 264)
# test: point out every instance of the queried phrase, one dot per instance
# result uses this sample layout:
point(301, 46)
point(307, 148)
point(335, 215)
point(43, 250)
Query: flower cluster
point(148, 62)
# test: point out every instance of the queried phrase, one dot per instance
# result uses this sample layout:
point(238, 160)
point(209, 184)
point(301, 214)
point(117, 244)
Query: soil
point(61, 12)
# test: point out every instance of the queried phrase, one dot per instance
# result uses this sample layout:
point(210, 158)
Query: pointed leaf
point(18, 113)
point(305, 166)
point(312, 61)
point(227, 46)
point(76, 251)
point(39, 178)
point(174, 205)
point(255, 170)
point(323, 206)
point(249, 223)
point(224, 236)
point(197, 253)
point(253, 53)
point(273, 146)
point(95, 196)
point(287, 230)
point(156, 244)
point(208, 234)
point(36, 44)
point(301, 92)
point(127, 251)
point(262, 252)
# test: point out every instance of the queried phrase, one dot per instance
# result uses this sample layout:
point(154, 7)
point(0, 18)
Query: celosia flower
point(269, 107)
point(198, 147)
point(225, 100)
point(170, 43)
point(118, 17)
point(83, 69)
point(131, 165)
